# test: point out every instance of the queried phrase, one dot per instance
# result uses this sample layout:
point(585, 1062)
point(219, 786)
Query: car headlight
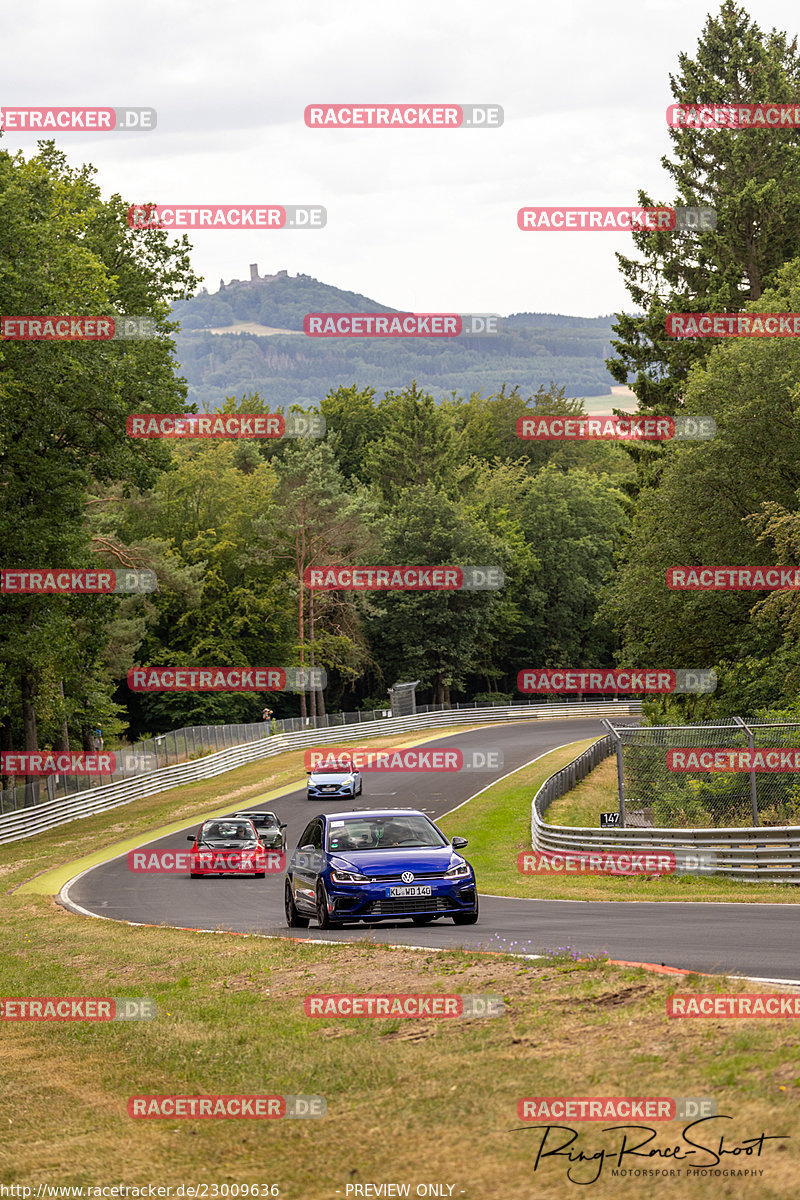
point(349, 779)
point(340, 876)
point(460, 871)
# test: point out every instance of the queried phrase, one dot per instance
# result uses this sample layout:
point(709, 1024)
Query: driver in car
point(341, 841)
point(394, 835)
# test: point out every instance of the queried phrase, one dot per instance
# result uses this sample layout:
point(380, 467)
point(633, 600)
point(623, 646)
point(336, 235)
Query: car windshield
point(400, 832)
point(264, 820)
point(217, 832)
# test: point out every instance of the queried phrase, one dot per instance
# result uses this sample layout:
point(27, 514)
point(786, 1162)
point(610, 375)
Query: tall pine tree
point(750, 176)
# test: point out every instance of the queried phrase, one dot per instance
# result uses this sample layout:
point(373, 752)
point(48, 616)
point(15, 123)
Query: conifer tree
point(750, 176)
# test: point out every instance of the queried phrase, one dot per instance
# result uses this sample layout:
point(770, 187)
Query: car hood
point(391, 862)
point(330, 777)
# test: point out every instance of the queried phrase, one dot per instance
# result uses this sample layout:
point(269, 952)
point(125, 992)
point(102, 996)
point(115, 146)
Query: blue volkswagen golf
point(373, 865)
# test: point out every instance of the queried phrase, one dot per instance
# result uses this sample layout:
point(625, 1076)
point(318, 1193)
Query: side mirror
point(190, 838)
point(309, 772)
point(283, 824)
point(308, 848)
point(459, 843)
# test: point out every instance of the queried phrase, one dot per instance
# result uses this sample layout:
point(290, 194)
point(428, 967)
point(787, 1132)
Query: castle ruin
point(256, 278)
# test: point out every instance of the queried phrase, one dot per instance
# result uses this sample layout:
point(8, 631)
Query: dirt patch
point(615, 999)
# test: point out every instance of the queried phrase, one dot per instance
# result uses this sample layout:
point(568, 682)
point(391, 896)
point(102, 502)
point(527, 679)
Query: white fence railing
point(35, 819)
point(750, 854)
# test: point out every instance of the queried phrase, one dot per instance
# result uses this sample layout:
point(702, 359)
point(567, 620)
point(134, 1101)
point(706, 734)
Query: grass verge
point(441, 1094)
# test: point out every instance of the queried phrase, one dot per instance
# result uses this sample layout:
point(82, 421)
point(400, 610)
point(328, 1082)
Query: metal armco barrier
point(751, 854)
point(35, 819)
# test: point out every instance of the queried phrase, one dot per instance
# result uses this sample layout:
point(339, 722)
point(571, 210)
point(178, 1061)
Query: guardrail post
point(620, 773)
point(751, 742)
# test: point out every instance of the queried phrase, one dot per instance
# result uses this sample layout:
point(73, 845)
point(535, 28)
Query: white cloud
point(416, 219)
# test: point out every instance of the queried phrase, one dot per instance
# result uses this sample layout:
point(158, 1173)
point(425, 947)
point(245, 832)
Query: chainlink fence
point(656, 795)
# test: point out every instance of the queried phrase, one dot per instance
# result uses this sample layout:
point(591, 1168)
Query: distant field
point(618, 397)
point(251, 327)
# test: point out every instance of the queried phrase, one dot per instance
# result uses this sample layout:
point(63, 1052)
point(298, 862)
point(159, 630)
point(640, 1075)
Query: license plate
point(417, 889)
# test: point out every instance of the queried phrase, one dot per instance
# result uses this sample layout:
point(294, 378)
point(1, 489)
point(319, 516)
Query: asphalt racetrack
point(759, 940)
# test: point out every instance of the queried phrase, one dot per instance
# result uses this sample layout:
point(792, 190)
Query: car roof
point(226, 820)
point(253, 812)
point(374, 812)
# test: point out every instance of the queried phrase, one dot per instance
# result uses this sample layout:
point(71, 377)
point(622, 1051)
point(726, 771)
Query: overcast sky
point(419, 220)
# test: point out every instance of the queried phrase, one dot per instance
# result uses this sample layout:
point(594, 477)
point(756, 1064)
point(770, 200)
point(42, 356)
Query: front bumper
point(346, 792)
point(227, 862)
point(371, 902)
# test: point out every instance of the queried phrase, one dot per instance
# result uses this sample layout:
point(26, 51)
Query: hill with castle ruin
point(248, 336)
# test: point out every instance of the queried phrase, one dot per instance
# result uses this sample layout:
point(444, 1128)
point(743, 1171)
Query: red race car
point(228, 847)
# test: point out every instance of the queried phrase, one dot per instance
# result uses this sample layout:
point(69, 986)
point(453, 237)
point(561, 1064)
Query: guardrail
point(36, 818)
point(196, 741)
point(750, 854)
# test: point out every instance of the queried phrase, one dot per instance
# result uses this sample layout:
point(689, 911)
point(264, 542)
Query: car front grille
point(398, 906)
point(397, 877)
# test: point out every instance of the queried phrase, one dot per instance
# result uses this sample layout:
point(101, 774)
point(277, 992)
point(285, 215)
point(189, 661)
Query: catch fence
point(654, 793)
